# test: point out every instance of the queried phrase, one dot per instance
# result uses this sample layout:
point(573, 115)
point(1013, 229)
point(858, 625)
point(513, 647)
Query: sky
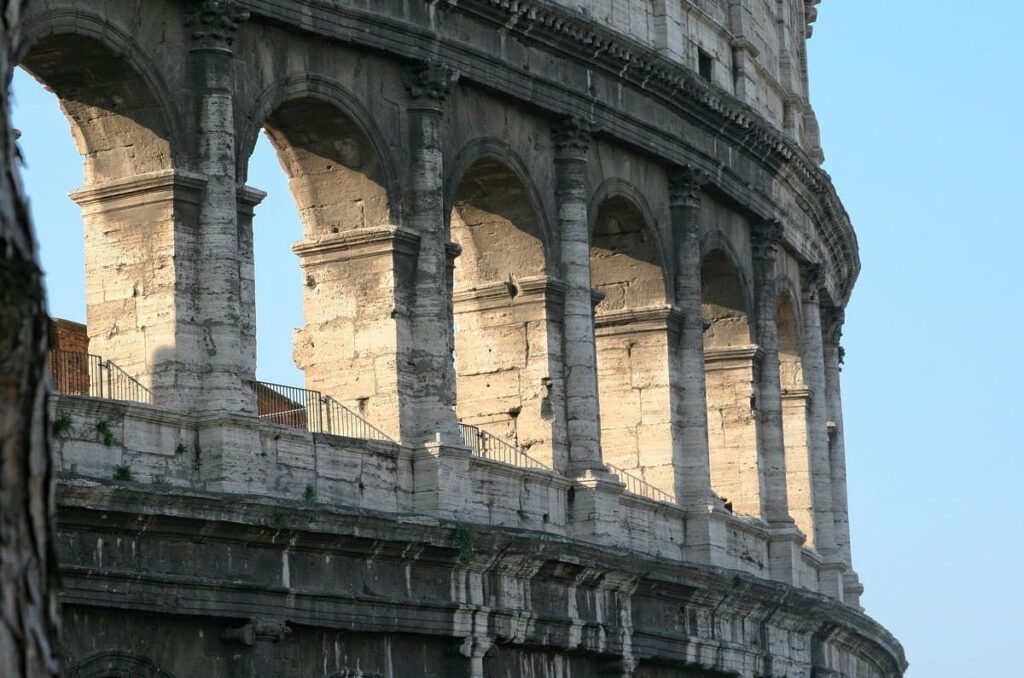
point(919, 103)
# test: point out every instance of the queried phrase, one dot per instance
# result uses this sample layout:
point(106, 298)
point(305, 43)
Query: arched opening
point(352, 268)
point(731, 362)
point(634, 330)
point(136, 220)
point(507, 336)
point(795, 409)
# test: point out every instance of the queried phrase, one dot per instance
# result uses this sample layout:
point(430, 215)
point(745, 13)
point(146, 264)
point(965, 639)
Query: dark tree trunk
point(28, 592)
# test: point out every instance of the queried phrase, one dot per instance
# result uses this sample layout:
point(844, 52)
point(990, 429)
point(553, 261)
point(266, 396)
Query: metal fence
point(637, 485)
point(488, 446)
point(311, 411)
point(86, 374)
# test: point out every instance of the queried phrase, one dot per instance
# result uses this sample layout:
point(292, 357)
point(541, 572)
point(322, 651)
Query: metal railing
point(87, 374)
point(311, 411)
point(637, 485)
point(488, 446)
point(341, 421)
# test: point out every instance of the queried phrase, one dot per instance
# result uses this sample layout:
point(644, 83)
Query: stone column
point(817, 432)
point(784, 539)
point(832, 319)
point(693, 477)
point(571, 142)
point(765, 238)
point(432, 381)
point(213, 24)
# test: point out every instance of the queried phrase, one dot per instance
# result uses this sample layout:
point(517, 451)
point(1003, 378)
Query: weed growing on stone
point(61, 425)
point(122, 472)
point(464, 541)
point(104, 434)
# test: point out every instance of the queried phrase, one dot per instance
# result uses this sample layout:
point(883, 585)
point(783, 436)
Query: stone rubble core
point(597, 231)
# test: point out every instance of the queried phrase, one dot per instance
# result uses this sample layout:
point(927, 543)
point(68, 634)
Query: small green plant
point(104, 433)
point(122, 472)
point(61, 425)
point(278, 520)
point(180, 449)
point(464, 542)
point(160, 481)
point(310, 494)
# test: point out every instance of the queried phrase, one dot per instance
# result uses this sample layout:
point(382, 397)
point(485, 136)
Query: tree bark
point(28, 591)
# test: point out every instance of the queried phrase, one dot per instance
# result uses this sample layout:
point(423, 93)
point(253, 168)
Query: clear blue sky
point(920, 105)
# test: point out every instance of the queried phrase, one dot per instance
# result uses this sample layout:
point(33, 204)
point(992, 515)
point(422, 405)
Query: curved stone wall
point(547, 221)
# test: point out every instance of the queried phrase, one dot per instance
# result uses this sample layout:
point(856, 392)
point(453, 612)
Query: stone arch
point(795, 410)
point(731, 366)
point(635, 331)
point(339, 170)
point(494, 213)
point(629, 260)
point(790, 333)
point(726, 299)
point(506, 302)
point(355, 263)
point(125, 127)
point(116, 664)
point(109, 91)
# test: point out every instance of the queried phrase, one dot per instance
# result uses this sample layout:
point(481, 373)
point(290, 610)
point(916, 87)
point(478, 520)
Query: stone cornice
point(169, 516)
point(716, 357)
point(557, 28)
point(142, 189)
point(647, 319)
point(358, 243)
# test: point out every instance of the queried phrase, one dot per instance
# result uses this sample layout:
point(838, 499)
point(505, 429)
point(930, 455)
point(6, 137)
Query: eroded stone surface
point(596, 230)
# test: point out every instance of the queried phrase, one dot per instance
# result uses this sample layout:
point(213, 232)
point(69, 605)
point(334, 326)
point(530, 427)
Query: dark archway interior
point(335, 174)
point(624, 262)
point(723, 303)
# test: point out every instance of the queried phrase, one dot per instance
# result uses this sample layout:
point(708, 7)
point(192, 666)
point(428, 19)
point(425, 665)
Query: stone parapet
point(421, 586)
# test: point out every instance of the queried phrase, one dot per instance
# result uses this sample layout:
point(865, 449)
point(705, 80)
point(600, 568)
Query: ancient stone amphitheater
point(573, 290)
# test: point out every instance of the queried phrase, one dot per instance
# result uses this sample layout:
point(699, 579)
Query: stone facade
point(596, 230)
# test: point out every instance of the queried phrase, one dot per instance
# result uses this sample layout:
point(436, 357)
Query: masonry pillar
point(784, 537)
point(693, 477)
point(765, 238)
point(218, 290)
point(830, 576)
point(572, 142)
point(139, 248)
point(432, 382)
point(706, 529)
point(832, 319)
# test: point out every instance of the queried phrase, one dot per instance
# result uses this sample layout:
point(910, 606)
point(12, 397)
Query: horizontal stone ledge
point(142, 189)
point(732, 356)
point(303, 535)
point(646, 319)
point(357, 243)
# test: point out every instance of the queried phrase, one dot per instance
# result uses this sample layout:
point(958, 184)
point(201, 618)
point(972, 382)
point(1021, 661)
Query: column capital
point(429, 84)
point(214, 23)
point(571, 136)
point(765, 238)
point(832, 319)
point(811, 276)
point(684, 185)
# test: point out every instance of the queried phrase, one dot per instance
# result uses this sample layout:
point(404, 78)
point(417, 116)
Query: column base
point(594, 509)
point(830, 577)
point(784, 552)
point(707, 534)
point(442, 483)
point(852, 590)
point(230, 455)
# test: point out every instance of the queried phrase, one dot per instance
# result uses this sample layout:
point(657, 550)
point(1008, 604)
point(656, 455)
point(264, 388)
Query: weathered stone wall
point(516, 216)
